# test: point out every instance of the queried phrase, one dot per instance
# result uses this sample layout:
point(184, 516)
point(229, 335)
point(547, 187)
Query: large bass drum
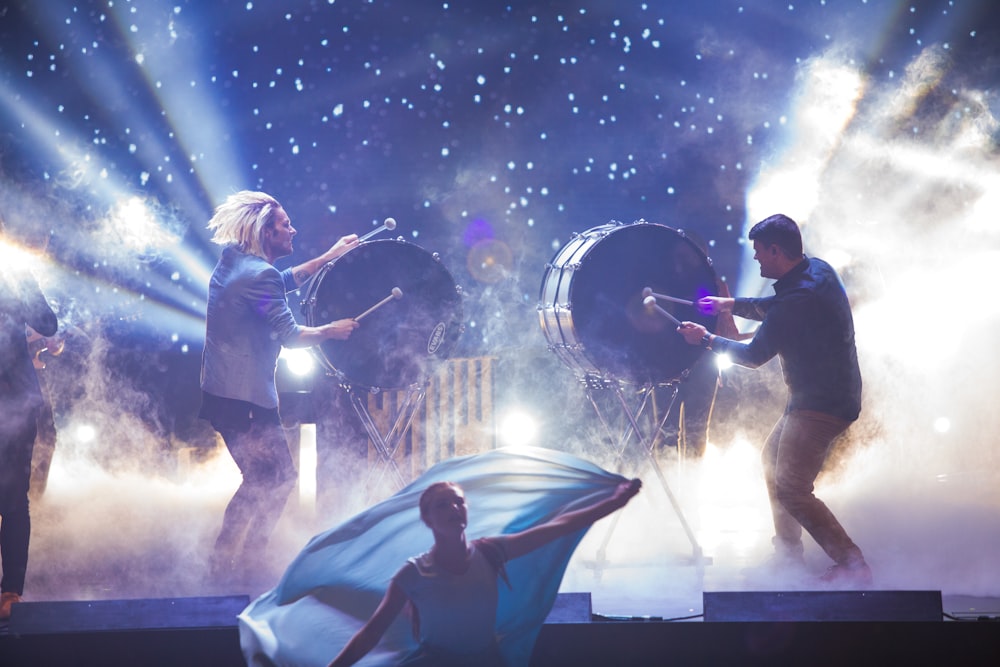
point(591, 303)
point(399, 342)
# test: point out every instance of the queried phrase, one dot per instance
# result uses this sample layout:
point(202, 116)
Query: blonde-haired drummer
point(248, 321)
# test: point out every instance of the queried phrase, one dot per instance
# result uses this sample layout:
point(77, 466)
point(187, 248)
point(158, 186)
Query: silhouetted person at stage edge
point(21, 304)
point(58, 362)
point(809, 326)
point(248, 321)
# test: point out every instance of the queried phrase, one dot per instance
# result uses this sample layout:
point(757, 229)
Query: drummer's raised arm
point(305, 270)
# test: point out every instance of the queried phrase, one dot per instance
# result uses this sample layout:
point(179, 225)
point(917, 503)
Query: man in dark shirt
point(808, 325)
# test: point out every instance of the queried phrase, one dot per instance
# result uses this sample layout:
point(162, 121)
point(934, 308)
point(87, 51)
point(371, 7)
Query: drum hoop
point(555, 305)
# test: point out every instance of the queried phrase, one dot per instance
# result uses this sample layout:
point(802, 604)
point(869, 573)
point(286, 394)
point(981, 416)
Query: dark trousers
point(792, 458)
point(261, 452)
point(17, 437)
point(688, 423)
point(45, 444)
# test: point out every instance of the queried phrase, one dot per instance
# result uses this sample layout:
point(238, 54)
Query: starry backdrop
point(490, 131)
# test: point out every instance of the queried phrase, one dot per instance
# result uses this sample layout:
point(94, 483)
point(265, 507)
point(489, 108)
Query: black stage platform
point(799, 628)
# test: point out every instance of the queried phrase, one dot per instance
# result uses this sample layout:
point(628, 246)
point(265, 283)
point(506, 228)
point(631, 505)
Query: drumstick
point(395, 294)
point(389, 224)
point(650, 302)
point(648, 291)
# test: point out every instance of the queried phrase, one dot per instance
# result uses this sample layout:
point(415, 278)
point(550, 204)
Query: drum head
point(604, 314)
point(397, 344)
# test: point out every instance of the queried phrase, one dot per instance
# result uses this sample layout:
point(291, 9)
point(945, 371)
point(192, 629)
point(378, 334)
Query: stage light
point(942, 425)
point(85, 432)
point(723, 362)
point(16, 257)
point(299, 361)
point(307, 466)
point(134, 223)
point(518, 428)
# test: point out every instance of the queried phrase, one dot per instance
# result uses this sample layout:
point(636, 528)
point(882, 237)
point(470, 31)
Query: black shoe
point(848, 575)
point(780, 568)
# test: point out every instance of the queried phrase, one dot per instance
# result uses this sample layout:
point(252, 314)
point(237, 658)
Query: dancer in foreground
point(536, 504)
point(453, 587)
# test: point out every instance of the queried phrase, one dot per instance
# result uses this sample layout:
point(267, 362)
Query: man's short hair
point(779, 230)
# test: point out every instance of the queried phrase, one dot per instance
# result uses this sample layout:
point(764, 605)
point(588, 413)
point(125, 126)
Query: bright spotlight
point(16, 257)
point(85, 432)
point(135, 224)
point(299, 361)
point(518, 429)
point(723, 361)
point(942, 425)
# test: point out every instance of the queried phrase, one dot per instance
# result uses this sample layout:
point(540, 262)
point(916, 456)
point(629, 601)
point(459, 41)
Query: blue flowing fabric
point(336, 582)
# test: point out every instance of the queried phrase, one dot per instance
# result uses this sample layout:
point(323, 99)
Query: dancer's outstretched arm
point(518, 544)
point(365, 639)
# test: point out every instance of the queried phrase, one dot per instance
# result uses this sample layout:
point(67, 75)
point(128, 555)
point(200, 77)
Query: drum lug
point(592, 381)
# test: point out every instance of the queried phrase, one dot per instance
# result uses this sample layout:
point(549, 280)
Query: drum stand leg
point(648, 446)
point(386, 445)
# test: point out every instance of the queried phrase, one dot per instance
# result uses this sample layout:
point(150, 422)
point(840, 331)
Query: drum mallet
point(648, 292)
point(650, 302)
point(389, 224)
point(396, 294)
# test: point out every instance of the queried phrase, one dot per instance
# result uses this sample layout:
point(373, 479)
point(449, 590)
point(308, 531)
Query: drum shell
point(396, 345)
point(591, 302)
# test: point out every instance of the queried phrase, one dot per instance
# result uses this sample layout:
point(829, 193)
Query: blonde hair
point(241, 220)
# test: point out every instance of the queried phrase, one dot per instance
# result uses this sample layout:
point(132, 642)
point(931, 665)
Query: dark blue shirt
point(21, 302)
point(808, 325)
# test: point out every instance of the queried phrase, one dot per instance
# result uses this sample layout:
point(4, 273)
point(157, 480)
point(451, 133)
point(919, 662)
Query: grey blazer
point(248, 321)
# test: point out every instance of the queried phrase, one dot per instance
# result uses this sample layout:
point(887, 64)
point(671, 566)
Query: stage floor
point(202, 631)
point(104, 537)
